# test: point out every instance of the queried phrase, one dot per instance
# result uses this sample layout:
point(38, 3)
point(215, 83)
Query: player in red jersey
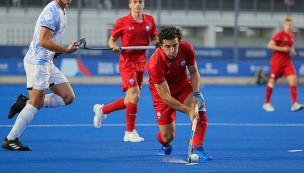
point(281, 64)
point(172, 90)
point(136, 29)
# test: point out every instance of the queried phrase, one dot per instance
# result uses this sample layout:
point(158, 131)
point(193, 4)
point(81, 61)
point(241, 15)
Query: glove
point(199, 96)
point(157, 45)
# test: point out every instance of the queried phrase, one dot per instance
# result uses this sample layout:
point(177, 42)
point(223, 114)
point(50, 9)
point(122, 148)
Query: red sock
point(117, 105)
point(160, 139)
point(294, 93)
point(268, 93)
point(131, 116)
point(201, 129)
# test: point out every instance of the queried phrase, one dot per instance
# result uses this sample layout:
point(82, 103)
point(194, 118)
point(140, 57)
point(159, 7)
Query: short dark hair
point(169, 33)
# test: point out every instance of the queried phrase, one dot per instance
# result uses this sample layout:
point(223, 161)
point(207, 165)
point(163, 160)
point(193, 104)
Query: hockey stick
point(122, 48)
point(291, 49)
point(77, 43)
point(192, 135)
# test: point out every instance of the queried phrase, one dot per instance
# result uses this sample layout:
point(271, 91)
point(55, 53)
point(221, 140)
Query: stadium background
point(223, 55)
point(241, 136)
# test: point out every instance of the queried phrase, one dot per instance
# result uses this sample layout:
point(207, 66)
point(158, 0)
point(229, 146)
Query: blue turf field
point(240, 136)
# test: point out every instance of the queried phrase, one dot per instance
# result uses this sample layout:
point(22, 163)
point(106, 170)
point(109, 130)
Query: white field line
point(177, 124)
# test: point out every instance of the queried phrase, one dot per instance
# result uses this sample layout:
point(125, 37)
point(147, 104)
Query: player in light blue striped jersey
point(41, 73)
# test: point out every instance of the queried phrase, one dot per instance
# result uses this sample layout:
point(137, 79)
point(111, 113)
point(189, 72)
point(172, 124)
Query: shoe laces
point(200, 149)
point(135, 134)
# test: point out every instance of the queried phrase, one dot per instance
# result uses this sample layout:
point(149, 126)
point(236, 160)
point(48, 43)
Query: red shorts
point(165, 114)
point(277, 71)
point(131, 79)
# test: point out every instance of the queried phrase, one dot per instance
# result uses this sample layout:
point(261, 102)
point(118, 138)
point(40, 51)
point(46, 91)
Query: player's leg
point(37, 83)
point(202, 124)
point(131, 101)
point(165, 136)
point(165, 117)
point(291, 77)
point(275, 72)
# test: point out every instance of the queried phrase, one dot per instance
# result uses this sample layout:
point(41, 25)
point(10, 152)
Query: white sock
point(53, 101)
point(24, 118)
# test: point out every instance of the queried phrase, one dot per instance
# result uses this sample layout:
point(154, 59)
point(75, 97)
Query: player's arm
point(273, 46)
point(47, 43)
point(112, 44)
point(195, 82)
point(165, 95)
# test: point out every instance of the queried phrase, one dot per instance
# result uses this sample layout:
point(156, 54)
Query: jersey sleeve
point(191, 55)
point(49, 19)
point(118, 29)
point(156, 74)
point(154, 32)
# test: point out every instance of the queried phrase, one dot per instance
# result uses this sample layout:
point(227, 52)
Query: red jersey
point(134, 34)
point(278, 57)
point(160, 69)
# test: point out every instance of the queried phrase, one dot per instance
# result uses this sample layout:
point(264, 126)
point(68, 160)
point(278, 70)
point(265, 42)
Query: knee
point(68, 99)
point(167, 138)
point(37, 103)
point(135, 97)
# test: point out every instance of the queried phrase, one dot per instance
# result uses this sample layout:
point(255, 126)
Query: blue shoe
point(166, 150)
point(202, 154)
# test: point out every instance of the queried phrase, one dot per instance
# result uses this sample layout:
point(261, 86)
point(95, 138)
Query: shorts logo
point(131, 81)
point(158, 114)
point(147, 28)
point(272, 75)
point(183, 62)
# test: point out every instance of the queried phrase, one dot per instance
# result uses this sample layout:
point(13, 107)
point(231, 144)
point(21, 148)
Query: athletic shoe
point(18, 106)
point(133, 137)
point(268, 107)
point(166, 149)
point(15, 145)
point(99, 115)
point(202, 154)
point(296, 106)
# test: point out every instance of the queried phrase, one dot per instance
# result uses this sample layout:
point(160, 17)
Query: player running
point(281, 64)
point(41, 73)
point(172, 90)
point(136, 29)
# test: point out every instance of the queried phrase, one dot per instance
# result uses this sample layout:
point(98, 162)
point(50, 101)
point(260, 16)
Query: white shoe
point(99, 115)
point(268, 107)
point(133, 137)
point(296, 106)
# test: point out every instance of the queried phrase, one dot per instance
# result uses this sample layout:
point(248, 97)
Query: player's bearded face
point(170, 48)
point(288, 26)
point(137, 5)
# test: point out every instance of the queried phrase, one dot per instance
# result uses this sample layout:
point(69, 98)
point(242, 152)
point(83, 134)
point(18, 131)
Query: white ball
point(194, 157)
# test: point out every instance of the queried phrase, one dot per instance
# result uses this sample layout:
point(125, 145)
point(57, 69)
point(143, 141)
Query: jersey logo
point(285, 39)
point(292, 39)
point(131, 28)
point(158, 114)
point(183, 62)
point(147, 28)
point(131, 81)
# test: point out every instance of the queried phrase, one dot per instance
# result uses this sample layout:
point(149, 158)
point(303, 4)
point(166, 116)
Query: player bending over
point(41, 73)
point(172, 90)
point(136, 29)
point(281, 64)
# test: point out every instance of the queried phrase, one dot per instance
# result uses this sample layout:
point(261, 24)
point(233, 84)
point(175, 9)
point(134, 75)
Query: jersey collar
point(143, 18)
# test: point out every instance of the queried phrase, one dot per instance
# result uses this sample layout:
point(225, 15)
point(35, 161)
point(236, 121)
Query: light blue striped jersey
point(53, 18)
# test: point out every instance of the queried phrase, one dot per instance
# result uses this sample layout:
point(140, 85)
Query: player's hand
point(198, 99)
point(285, 49)
point(192, 115)
point(72, 48)
point(116, 49)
